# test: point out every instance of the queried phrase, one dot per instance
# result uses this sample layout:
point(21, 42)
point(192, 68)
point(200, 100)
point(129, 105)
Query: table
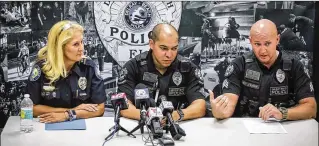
point(203, 131)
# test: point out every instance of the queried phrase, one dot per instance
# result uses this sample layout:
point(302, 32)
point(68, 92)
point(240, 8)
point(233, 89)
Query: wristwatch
point(284, 112)
point(181, 115)
point(72, 115)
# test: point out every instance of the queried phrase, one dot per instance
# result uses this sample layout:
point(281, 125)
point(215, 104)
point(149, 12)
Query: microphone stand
point(141, 122)
point(117, 125)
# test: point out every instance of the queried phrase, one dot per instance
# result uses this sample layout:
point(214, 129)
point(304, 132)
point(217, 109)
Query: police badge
point(229, 70)
point(82, 82)
point(280, 75)
point(177, 78)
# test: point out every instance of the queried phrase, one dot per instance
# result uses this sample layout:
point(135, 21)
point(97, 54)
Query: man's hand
point(53, 117)
point(269, 111)
point(87, 107)
point(219, 105)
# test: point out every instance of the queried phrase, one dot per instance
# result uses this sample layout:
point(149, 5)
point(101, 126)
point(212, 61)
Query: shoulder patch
point(229, 70)
point(198, 74)
point(122, 74)
point(35, 74)
point(311, 87)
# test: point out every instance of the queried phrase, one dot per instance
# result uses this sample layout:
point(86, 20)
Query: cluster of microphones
point(157, 119)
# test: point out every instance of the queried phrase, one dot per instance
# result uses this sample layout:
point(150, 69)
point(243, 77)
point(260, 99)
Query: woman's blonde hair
point(52, 54)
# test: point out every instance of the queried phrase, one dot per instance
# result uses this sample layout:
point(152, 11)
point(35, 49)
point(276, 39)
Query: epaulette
point(141, 58)
point(249, 57)
point(87, 61)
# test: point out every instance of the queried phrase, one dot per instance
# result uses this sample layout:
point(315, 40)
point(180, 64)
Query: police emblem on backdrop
point(129, 23)
point(280, 75)
point(229, 70)
point(36, 73)
point(177, 78)
point(82, 82)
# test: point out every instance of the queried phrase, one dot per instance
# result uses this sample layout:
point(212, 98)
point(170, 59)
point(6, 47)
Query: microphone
point(167, 109)
point(154, 118)
point(142, 102)
point(119, 102)
point(142, 96)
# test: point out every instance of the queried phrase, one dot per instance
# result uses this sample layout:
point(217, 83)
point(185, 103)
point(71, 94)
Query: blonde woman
point(64, 85)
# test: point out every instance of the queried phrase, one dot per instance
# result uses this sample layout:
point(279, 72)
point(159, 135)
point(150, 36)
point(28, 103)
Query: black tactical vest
point(258, 88)
point(173, 85)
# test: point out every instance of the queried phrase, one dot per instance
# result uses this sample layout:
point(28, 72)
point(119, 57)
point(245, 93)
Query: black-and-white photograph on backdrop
point(98, 53)
point(190, 47)
point(21, 55)
point(46, 13)
point(3, 58)
point(15, 16)
point(224, 30)
point(81, 12)
point(39, 39)
point(11, 95)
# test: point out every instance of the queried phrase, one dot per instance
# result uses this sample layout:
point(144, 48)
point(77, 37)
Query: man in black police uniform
point(265, 83)
point(81, 89)
point(177, 78)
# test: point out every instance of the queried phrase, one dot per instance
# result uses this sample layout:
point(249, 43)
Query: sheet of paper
point(67, 125)
point(258, 126)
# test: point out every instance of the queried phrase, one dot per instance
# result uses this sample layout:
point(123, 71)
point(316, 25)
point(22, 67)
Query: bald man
point(167, 73)
point(264, 83)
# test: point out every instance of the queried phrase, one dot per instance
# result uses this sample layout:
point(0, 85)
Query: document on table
point(258, 126)
point(67, 125)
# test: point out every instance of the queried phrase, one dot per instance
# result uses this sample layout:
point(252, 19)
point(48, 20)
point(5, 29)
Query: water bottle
point(26, 114)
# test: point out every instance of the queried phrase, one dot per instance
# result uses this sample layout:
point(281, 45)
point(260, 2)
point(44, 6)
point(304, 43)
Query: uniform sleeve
point(34, 84)
point(127, 79)
point(98, 94)
point(195, 88)
point(303, 86)
point(233, 77)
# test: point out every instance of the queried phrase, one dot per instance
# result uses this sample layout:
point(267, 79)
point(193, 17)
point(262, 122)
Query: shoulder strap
point(287, 64)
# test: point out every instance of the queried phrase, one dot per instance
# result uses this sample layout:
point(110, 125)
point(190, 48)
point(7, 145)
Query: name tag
point(253, 75)
point(250, 85)
point(176, 91)
point(282, 90)
point(150, 77)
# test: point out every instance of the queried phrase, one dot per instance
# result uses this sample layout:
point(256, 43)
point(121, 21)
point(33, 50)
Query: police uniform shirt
point(283, 84)
point(182, 82)
point(82, 85)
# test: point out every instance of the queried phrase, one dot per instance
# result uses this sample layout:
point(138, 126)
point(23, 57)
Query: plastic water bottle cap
point(27, 95)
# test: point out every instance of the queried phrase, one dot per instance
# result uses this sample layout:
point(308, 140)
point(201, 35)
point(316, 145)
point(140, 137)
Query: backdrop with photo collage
point(211, 35)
